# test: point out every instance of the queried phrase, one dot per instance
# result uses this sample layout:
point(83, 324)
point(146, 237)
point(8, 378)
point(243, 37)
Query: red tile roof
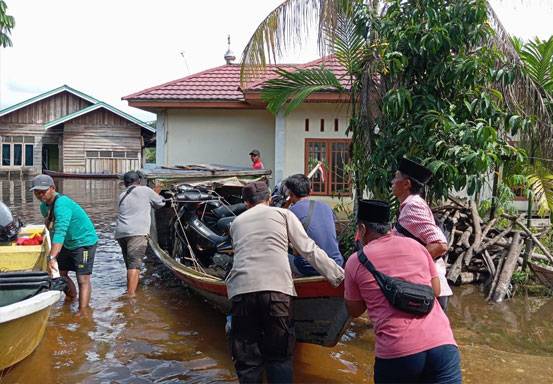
point(328, 62)
point(221, 83)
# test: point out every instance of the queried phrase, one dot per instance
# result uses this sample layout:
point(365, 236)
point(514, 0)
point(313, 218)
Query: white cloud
point(111, 48)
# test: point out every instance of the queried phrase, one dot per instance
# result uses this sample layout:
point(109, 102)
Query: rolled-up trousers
point(262, 337)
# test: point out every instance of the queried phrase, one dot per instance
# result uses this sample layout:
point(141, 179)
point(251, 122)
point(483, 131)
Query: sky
point(112, 48)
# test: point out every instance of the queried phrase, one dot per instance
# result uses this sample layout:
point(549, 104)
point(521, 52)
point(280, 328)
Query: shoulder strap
point(50, 217)
point(307, 222)
point(129, 190)
point(401, 229)
point(370, 266)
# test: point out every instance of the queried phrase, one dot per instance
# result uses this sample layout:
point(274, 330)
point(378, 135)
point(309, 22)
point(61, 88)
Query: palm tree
point(7, 22)
point(537, 64)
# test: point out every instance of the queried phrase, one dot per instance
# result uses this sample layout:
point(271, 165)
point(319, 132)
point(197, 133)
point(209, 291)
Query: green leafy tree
point(440, 102)
point(7, 22)
point(436, 80)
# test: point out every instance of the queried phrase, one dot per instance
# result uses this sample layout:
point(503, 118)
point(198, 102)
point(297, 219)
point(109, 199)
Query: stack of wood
point(485, 252)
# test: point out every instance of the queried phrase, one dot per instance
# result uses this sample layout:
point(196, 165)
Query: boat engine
point(9, 226)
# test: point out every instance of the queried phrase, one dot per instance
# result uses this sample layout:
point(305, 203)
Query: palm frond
point(538, 59)
point(286, 28)
point(291, 88)
point(541, 187)
point(522, 95)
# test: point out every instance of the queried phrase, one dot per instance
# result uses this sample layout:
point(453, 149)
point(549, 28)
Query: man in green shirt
point(74, 237)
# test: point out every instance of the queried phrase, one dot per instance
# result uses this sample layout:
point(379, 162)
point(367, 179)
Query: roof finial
point(229, 56)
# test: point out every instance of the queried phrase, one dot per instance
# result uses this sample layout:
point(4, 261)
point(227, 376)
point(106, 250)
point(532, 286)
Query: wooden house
point(68, 131)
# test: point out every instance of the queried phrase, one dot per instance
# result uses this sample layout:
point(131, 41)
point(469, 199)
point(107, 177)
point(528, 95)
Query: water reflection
point(168, 335)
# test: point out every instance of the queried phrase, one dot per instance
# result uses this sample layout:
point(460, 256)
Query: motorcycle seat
point(229, 210)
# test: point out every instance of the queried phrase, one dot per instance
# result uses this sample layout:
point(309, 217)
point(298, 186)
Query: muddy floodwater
point(168, 335)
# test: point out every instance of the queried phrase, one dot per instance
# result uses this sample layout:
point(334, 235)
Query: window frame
point(24, 144)
point(328, 164)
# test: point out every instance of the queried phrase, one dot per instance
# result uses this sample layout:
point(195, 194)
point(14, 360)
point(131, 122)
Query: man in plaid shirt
point(416, 219)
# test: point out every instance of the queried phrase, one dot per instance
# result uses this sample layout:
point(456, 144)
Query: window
point(112, 154)
point(306, 125)
point(334, 155)
point(17, 154)
point(29, 152)
point(322, 125)
point(336, 125)
point(17, 151)
point(6, 154)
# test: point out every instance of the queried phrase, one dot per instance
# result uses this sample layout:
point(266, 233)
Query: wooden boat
point(320, 315)
point(23, 322)
point(544, 273)
point(81, 175)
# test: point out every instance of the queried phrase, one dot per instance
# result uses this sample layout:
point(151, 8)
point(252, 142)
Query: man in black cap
point(261, 288)
point(416, 219)
point(133, 224)
point(255, 156)
point(409, 348)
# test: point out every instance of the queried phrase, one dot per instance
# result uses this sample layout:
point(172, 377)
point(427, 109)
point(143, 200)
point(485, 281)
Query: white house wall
point(296, 134)
point(220, 136)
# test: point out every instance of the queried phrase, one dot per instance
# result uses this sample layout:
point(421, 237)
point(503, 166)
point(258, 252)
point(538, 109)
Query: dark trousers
point(437, 365)
point(262, 337)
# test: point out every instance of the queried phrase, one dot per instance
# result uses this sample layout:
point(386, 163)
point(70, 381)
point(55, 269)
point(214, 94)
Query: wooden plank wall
point(28, 121)
point(46, 110)
point(100, 130)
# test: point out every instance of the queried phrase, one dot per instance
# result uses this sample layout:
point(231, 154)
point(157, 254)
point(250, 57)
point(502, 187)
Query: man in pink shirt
point(416, 219)
point(409, 348)
point(255, 156)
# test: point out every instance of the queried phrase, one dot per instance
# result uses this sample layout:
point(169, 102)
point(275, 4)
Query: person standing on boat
point(410, 348)
point(255, 157)
point(260, 286)
point(318, 221)
point(133, 224)
point(416, 219)
point(74, 238)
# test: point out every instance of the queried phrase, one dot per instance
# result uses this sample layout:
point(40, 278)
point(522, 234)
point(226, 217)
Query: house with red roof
point(66, 130)
point(208, 117)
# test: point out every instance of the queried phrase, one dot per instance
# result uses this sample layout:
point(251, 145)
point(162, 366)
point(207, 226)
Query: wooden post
point(508, 269)
point(527, 253)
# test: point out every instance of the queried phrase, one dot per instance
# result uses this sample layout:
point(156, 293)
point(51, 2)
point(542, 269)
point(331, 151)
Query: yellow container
point(25, 257)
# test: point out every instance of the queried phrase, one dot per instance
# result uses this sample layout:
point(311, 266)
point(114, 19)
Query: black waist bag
point(417, 299)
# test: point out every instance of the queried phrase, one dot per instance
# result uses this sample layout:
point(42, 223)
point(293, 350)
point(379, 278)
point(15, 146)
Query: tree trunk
point(508, 269)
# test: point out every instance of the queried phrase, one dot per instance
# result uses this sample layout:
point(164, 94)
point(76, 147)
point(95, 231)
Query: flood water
point(168, 335)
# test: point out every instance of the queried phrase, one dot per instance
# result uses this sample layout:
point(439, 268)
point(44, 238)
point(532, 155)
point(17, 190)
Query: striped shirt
point(416, 216)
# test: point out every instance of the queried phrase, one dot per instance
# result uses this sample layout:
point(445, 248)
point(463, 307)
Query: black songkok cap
point(415, 170)
point(373, 211)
